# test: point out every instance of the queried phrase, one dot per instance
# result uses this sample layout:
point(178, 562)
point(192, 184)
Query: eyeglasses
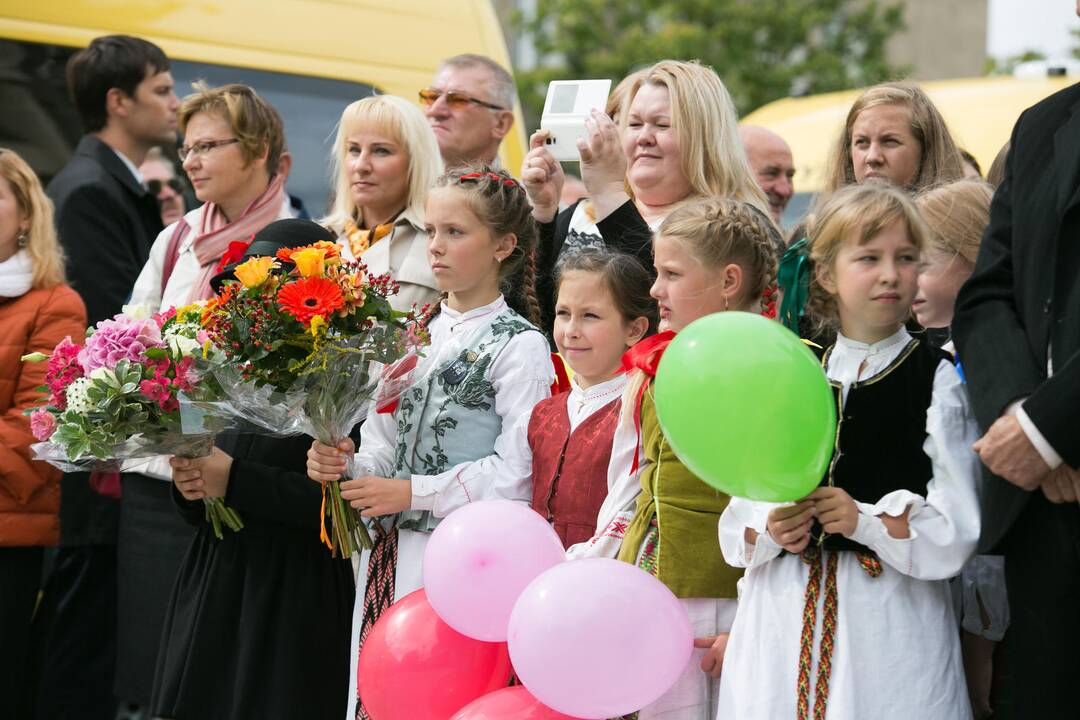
point(456, 100)
point(201, 148)
point(156, 186)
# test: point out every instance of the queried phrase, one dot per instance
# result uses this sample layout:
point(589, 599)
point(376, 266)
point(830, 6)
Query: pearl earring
point(23, 239)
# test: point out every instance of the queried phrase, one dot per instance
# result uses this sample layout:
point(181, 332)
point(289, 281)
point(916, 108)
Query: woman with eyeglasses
point(676, 140)
point(385, 161)
point(163, 183)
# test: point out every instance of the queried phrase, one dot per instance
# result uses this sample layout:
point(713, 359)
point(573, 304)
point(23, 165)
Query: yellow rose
point(311, 262)
point(253, 272)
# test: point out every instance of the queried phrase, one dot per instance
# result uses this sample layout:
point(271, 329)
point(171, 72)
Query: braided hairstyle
point(718, 231)
point(501, 204)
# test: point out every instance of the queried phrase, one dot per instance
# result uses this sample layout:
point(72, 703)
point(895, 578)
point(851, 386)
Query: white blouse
point(522, 375)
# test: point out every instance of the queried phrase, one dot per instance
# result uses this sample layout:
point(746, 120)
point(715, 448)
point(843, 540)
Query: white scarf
point(16, 274)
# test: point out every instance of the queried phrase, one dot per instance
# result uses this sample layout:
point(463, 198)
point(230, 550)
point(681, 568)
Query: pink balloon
point(413, 666)
point(512, 703)
point(598, 638)
point(480, 558)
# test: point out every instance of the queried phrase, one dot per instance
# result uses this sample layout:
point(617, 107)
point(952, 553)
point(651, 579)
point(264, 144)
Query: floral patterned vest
point(449, 417)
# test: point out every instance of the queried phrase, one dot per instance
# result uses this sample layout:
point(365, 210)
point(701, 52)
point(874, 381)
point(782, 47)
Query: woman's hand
point(374, 496)
point(198, 478)
point(713, 661)
point(789, 526)
point(543, 178)
point(836, 511)
point(603, 164)
point(326, 463)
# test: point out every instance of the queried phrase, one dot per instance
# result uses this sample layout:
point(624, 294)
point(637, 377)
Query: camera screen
point(562, 99)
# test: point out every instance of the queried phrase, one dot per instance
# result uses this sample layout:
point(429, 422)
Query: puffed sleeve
point(739, 515)
point(521, 375)
point(943, 526)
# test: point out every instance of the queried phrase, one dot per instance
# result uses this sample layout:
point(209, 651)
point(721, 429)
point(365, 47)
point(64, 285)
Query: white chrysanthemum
point(181, 339)
point(137, 311)
point(76, 396)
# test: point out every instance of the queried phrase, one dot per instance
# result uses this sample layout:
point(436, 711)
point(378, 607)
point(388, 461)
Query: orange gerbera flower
point(330, 248)
point(306, 298)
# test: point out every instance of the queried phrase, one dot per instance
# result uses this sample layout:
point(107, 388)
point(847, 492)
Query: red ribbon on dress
point(645, 356)
point(562, 378)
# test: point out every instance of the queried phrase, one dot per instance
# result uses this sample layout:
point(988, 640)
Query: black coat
point(107, 223)
point(1024, 296)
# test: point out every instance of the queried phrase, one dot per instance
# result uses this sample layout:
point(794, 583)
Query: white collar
point(609, 387)
point(901, 336)
point(130, 166)
point(462, 317)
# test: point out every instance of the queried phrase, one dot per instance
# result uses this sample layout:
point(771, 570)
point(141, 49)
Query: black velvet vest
point(881, 431)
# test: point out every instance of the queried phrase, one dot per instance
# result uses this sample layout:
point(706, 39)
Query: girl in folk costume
point(845, 611)
point(602, 309)
point(957, 213)
point(710, 256)
point(456, 434)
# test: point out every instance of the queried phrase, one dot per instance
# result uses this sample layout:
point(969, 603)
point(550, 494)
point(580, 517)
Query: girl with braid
point(711, 255)
point(845, 611)
point(456, 434)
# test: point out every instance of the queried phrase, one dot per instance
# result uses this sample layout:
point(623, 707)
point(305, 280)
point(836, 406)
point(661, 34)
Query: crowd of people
point(930, 575)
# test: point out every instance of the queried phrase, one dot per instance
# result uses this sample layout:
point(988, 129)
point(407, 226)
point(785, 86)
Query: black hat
point(291, 232)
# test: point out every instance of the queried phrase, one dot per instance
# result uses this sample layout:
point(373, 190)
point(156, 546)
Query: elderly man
point(470, 106)
point(1017, 333)
point(770, 159)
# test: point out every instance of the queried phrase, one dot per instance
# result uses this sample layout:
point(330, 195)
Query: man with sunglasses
point(162, 183)
point(470, 107)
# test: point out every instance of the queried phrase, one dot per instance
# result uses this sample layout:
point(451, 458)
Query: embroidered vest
point(450, 418)
point(687, 512)
point(569, 472)
point(881, 430)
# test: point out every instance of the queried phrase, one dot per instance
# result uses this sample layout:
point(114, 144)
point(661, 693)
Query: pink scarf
point(215, 232)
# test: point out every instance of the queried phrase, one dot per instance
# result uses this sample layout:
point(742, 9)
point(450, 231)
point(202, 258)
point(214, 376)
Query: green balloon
point(746, 406)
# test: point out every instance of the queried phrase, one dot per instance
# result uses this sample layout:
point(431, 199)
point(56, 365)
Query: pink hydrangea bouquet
point(115, 396)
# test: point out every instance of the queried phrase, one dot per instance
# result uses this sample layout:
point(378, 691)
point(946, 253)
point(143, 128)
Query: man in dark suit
point(1017, 331)
point(107, 222)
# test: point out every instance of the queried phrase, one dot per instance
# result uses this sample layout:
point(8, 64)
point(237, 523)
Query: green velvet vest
point(687, 513)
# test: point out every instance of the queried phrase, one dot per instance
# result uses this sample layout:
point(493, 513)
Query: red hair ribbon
point(509, 182)
point(645, 356)
point(562, 378)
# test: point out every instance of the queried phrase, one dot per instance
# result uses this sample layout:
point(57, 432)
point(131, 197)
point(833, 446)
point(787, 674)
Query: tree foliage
point(762, 49)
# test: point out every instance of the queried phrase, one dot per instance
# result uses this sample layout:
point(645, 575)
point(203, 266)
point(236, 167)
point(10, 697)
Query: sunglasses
point(156, 186)
point(454, 99)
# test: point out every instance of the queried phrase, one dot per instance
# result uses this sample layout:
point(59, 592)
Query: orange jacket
point(30, 490)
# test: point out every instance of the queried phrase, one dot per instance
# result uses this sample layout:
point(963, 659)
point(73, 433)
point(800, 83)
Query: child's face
point(685, 289)
point(874, 283)
point(463, 254)
point(590, 332)
point(940, 276)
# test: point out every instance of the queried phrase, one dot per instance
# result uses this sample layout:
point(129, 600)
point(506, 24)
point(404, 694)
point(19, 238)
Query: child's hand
point(789, 526)
point(326, 463)
point(713, 662)
point(897, 527)
point(198, 478)
point(836, 511)
point(375, 496)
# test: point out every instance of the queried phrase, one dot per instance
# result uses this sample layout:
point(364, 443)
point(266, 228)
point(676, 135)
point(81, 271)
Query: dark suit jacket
point(1024, 296)
point(107, 223)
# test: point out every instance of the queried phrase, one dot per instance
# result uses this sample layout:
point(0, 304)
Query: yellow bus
point(310, 58)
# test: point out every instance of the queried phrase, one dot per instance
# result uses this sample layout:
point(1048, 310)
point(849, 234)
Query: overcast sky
point(1018, 25)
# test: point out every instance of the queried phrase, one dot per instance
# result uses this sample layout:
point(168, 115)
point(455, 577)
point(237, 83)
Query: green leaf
point(156, 354)
point(34, 357)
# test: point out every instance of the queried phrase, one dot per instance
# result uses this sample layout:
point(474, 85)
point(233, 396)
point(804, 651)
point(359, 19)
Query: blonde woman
point(37, 311)
point(385, 161)
point(676, 140)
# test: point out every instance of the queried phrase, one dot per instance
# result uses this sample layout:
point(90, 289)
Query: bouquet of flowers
point(302, 339)
point(116, 396)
